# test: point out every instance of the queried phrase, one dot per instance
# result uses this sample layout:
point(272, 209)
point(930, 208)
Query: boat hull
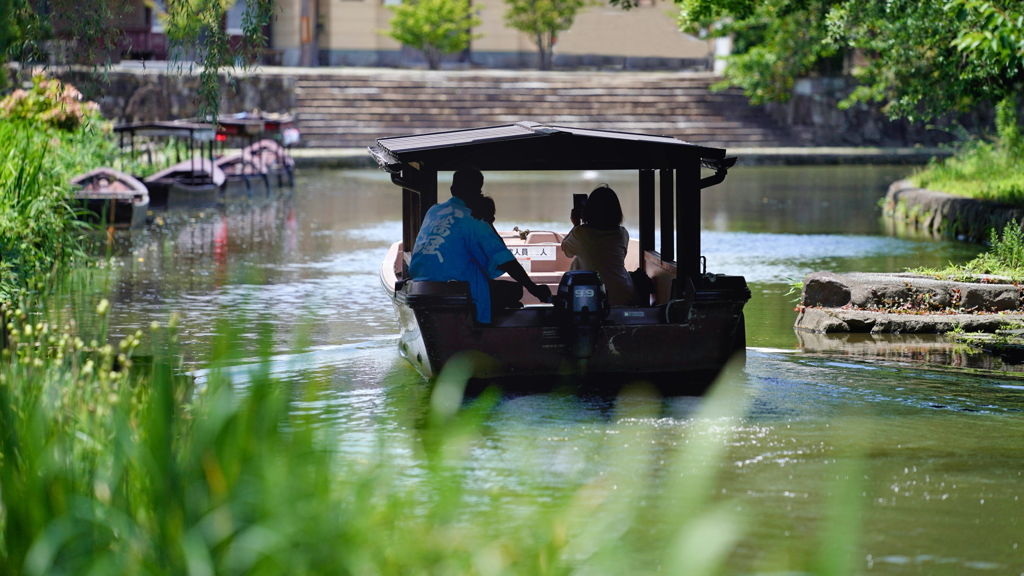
point(116, 214)
point(186, 195)
point(679, 346)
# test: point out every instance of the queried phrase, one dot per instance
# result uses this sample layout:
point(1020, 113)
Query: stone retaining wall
point(139, 96)
point(813, 115)
point(906, 303)
point(941, 214)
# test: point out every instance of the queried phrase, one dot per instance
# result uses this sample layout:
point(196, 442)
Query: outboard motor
point(583, 301)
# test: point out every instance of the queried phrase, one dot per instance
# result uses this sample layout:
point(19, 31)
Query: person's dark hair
point(483, 208)
point(467, 183)
point(602, 210)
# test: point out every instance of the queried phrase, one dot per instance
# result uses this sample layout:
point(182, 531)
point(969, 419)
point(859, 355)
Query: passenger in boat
point(504, 295)
point(484, 209)
point(452, 245)
point(599, 242)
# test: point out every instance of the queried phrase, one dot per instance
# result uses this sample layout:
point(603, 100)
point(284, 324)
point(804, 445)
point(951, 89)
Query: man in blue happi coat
point(452, 245)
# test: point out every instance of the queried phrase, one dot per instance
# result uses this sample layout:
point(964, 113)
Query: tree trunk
point(544, 51)
point(434, 57)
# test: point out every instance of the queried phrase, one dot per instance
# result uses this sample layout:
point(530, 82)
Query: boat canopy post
point(646, 214)
point(428, 192)
point(668, 216)
point(419, 193)
point(688, 219)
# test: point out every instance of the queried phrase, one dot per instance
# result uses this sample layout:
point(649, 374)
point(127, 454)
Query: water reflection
point(933, 350)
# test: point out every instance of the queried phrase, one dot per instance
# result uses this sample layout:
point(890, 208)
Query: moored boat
point(244, 173)
point(262, 155)
point(275, 158)
point(190, 183)
point(112, 198)
point(692, 325)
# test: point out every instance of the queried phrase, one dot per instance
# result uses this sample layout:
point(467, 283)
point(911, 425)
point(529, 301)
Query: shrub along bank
point(47, 135)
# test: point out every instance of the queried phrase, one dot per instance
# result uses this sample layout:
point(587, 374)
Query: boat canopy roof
point(535, 146)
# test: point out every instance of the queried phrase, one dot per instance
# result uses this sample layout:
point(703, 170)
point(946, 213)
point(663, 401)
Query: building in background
point(346, 34)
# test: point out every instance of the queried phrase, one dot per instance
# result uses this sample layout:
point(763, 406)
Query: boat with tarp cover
point(693, 323)
point(111, 198)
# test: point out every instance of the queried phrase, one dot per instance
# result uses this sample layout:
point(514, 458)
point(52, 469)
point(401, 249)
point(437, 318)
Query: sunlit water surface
point(943, 450)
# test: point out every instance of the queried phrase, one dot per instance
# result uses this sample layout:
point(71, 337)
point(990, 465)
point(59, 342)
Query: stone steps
point(352, 108)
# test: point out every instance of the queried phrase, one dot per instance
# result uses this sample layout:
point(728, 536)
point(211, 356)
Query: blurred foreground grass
point(116, 463)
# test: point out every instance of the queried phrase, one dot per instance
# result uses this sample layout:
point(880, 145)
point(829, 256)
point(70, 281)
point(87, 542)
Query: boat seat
point(421, 292)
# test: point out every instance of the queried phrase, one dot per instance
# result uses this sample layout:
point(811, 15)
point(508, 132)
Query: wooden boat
point(244, 173)
point(251, 125)
point(112, 198)
point(693, 324)
point(275, 158)
point(190, 183)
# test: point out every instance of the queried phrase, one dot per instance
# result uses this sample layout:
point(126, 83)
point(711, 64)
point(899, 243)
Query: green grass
point(1005, 258)
point(980, 170)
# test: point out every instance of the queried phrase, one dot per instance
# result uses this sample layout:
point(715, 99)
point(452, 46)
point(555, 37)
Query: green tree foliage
point(922, 58)
point(542, 20)
point(434, 27)
point(17, 24)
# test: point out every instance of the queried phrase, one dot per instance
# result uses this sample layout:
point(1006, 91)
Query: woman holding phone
point(599, 242)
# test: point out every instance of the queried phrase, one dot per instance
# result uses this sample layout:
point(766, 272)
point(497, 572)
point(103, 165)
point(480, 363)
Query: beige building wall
point(645, 31)
point(497, 37)
point(349, 34)
point(353, 25)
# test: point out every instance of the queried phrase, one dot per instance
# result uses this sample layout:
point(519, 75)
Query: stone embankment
point(131, 95)
point(942, 214)
point(906, 303)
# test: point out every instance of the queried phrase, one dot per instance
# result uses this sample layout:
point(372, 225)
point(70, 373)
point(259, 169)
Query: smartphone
point(578, 202)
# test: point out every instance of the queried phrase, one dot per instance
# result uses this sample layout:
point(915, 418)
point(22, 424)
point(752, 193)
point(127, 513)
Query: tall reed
point(38, 233)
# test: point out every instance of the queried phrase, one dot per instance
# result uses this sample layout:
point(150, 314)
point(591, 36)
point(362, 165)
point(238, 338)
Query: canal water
point(940, 450)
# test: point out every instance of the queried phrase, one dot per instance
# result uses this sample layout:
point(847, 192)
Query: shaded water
point(943, 451)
